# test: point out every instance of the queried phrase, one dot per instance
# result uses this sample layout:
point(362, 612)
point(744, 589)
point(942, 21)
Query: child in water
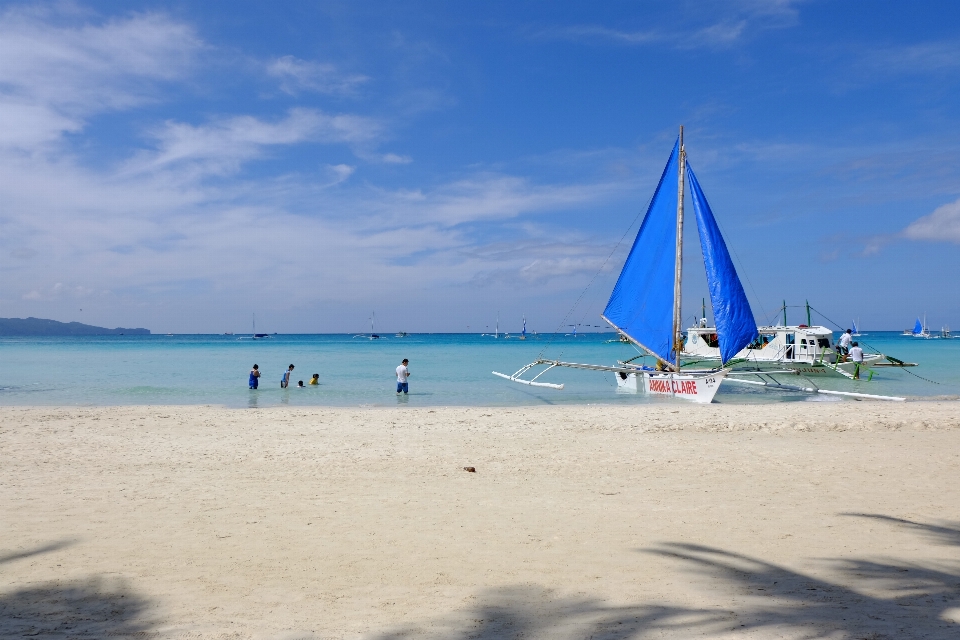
point(300, 384)
point(255, 377)
point(315, 379)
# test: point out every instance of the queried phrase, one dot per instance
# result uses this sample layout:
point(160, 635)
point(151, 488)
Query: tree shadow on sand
point(89, 608)
point(872, 599)
point(869, 600)
point(530, 612)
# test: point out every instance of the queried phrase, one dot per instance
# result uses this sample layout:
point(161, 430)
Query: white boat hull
point(695, 387)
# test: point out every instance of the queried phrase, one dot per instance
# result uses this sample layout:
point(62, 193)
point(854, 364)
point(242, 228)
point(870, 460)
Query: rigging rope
point(590, 284)
point(894, 360)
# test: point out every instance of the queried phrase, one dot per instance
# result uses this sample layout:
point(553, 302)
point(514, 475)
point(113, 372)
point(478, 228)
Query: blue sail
point(854, 323)
point(736, 327)
point(918, 328)
point(641, 305)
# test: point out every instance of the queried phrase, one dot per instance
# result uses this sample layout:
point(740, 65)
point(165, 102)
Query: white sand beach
point(792, 520)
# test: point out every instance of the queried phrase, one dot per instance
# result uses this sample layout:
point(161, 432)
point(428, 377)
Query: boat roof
point(802, 328)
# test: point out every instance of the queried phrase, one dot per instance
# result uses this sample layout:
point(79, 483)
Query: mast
point(784, 313)
point(678, 269)
point(808, 314)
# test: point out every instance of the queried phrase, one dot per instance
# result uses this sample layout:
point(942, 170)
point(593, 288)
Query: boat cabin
point(798, 343)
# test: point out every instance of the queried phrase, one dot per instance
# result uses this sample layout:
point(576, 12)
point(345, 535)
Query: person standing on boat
point(844, 345)
point(255, 377)
point(856, 354)
point(402, 374)
point(285, 380)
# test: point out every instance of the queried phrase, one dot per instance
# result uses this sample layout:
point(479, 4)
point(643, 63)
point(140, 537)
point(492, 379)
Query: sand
point(794, 520)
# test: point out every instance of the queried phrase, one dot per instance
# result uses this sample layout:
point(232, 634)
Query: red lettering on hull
point(677, 387)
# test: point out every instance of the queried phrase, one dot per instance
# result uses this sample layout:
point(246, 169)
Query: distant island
point(41, 327)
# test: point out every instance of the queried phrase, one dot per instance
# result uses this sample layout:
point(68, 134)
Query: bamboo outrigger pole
point(677, 290)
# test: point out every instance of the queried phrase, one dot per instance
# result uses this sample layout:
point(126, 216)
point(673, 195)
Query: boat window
point(824, 342)
point(790, 338)
point(804, 341)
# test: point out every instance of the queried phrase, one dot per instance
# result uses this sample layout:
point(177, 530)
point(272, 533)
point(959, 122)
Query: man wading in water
point(402, 374)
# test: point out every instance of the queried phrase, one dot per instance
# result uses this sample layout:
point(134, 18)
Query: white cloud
point(53, 77)
point(393, 158)
point(737, 19)
point(489, 197)
point(148, 238)
point(924, 57)
point(943, 225)
point(297, 75)
point(221, 146)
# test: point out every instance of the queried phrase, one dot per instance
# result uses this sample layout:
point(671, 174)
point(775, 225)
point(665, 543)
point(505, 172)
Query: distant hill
point(41, 327)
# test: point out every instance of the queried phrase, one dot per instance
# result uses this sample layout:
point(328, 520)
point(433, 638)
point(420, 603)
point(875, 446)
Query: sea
point(446, 369)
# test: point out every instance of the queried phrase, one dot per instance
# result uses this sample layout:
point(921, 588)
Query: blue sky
point(181, 166)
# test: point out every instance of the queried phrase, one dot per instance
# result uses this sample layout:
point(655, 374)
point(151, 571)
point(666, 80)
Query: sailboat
point(496, 333)
point(373, 334)
point(254, 335)
point(523, 331)
point(645, 304)
point(919, 329)
point(853, 327)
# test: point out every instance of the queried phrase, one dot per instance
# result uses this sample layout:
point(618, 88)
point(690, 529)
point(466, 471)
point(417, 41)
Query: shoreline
point(724, 521)
point(843, 413)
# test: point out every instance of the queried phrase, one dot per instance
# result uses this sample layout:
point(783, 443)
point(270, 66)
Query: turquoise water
point(447, 369)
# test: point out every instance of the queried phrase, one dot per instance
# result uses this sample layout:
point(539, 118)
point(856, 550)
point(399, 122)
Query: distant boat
point(373, 335)
point(853, 328)
point(254, 335)
point(919, 329)
point(945, 332)
point(496, 333)
point(401, 334)
point(228, 333)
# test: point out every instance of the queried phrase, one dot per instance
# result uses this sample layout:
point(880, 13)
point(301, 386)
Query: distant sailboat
point(373, 334)
point(254, 335)
point(496, 333)
point(854, 329)
point(919, 329)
